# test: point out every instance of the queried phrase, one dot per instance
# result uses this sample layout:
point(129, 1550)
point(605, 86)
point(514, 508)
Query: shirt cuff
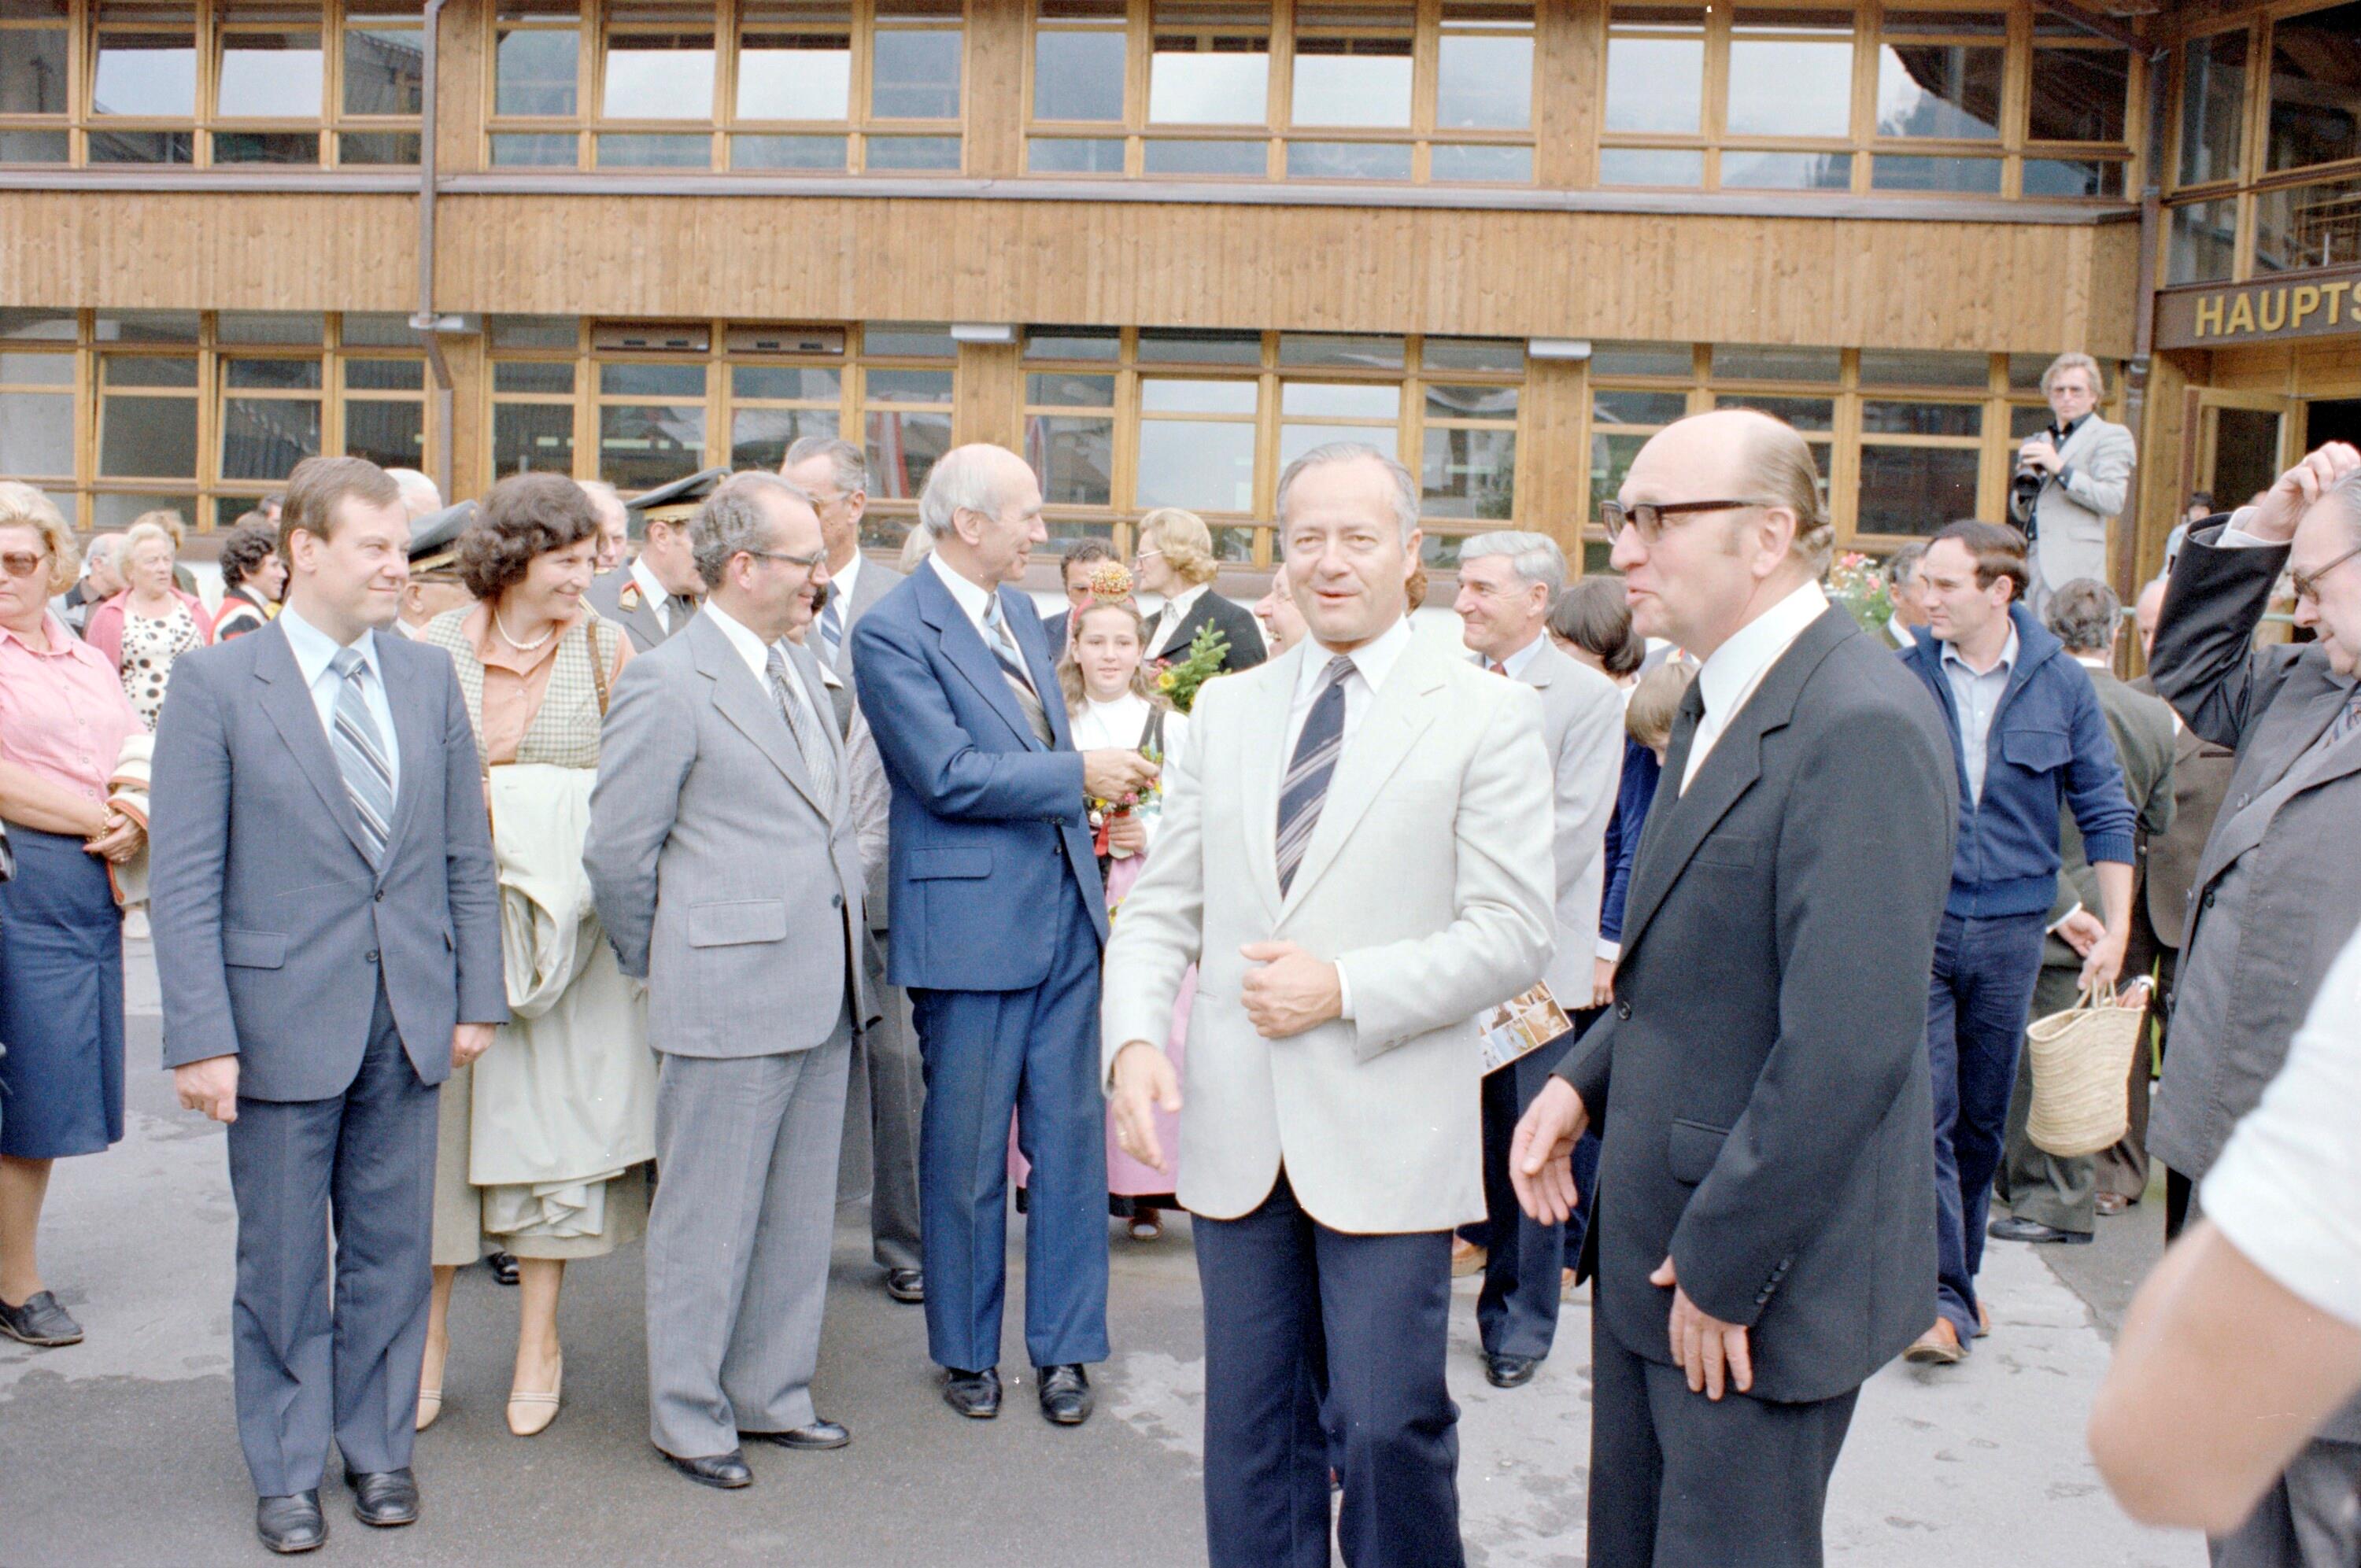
point(2064, 474)
point(1344, 994)
point(2051, 929)
point(1612, 951)
point(2235, 537)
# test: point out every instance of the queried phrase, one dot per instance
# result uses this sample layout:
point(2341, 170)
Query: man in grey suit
point(835, 473)
point(2278, 890)
point(1507, 582)
point(328, 941)
point(2081, 472)
point(723, 861)
point(654, 596)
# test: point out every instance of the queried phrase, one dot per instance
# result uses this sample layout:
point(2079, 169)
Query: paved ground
point(122, 1450)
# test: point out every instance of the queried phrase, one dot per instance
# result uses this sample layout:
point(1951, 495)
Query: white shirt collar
point(972, 597)
point(1729, 677)
point(657, 595)
point(839, 587)
point(1179, 606)
point(2094, 662)
point(1374, 659)
point(1517, 663)
point(751, 647)
point(1902, 635)
point(314, 649)
point(2008, 650)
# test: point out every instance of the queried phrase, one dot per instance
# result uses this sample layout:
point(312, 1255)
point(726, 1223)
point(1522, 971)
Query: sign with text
point(2273, 309)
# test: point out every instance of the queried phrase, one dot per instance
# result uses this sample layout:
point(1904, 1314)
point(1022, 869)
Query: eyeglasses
point(1649, 518)
point(22, 562)
point(2307, 583)
point(1147, 555)
point(808, 563)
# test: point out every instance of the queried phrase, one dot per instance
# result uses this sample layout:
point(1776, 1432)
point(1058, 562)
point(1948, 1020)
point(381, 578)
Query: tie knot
point(775, 662)
point(1693, 699)
point(1339, 667)
point(345, 660)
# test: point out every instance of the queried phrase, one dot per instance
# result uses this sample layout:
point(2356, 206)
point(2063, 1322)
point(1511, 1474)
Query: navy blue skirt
point(61, 1000)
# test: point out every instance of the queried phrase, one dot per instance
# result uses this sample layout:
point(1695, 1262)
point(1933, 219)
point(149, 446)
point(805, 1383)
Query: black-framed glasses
point(2307, 583)
point(1648, 517)
point(22, 562)
point(808, 563)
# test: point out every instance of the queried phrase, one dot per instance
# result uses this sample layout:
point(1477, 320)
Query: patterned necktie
point(2344, 723)
point(1305, 788)
point(360, 753)
point(803, 724)
point(1012, 665)
point(832, 628)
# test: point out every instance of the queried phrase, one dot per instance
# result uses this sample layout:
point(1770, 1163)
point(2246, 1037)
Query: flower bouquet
point(1179, 678)
point(1858, 582)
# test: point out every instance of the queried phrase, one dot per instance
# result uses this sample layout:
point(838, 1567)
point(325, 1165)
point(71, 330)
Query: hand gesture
point(210, 1086)
point(2273, 519)
point(1540, 1154)
point(1127, 833)
point(2039, 453)
point(2081, 931)
point(2102, 964)
point(1292, 993)
point(469, 1041)
point(1703, 1346)
point(1117, 775)
point(120, 839)
point(1142, 1083)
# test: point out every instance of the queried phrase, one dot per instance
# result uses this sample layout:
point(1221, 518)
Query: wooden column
point(1570, 45)
point(993, 99)
point(986, 395)
point(1553, 461)
point(462, 85)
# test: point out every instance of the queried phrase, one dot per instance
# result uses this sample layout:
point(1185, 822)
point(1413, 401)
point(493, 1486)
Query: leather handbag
point(2080, 1060)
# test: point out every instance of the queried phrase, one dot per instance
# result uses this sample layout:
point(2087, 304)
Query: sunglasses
point(23, 563)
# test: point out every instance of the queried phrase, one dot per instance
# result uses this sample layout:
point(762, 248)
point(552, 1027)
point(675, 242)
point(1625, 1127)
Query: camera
point(2024, 489)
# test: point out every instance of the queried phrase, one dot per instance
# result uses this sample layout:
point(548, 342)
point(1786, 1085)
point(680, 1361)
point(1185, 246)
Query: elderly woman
point(63, 723)
point(545, 1139)
point(1175, 560)
point(143, 629)
point(252, 578)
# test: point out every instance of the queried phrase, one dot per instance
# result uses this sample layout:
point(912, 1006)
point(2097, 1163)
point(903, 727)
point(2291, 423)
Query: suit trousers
point(1034, 1053)
point(1516, 1312)
point(1681, 1481)
point(2310, 1518)
point(362, 1163)
point(738, 1239)
point(1297, 1314)
point(2057, 1190)
point(889, 1052)
point(1979, 999)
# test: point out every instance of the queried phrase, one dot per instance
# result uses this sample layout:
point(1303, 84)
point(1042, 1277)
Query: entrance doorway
point(2327, 420)
point(2238, 449)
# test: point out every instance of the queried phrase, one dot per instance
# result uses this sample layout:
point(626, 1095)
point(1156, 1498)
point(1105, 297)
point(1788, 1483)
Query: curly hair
point(22, 506)
point(247, 546)
point(527, 515)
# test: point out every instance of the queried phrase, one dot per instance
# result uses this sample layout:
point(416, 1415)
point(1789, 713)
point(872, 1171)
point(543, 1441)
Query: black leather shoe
point(503, 1267)
point(727, 1471)
point(1066, 1394)
point(975, 1395)
point(291, 1524)
point(906, 1284)
point(384, 1497)
point(820, 1434)
point(2017, 1228)
point(40, 1321)
point(1510, 1371)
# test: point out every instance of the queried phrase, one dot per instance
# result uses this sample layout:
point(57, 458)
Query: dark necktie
point(678, 608)
point(803, 725)
point(1305, 788)
point(360, 753)
point(1684, 729)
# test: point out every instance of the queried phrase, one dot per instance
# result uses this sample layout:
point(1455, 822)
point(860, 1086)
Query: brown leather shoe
point(1466, 1258)
point(1983, 1319)
point(1939, 1346)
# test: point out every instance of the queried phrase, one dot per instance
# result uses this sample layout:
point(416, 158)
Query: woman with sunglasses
point(63, 722)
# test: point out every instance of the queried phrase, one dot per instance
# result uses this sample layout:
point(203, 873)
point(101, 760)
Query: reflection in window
point(1940, 90)
point(533, 67)
point(1745, 170)
point(1656, 69)
point(1352, 64)
point(2074, 177)
point(1951, 176)
point(794, 63)
point(1347, 161)
point(1915, 490)
point(915, 61)
point(270, 75)
point(2213, 98)
point(658, 75)
point(1196, 445)
point(2079, 94)
point(1249, 159)
point(1210, 65)
point(1649, 166)
point(2315, 88)
point(1790, 73)
point(151, 73)
point(1484, 68)
point(385, 66)
point(145, 430)
point(2307, 225)
point(1080, 49)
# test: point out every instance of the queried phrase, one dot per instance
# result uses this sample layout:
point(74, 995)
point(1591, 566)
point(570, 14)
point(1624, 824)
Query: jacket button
point(377, 897)
point(836, 900)
point(373, 955)
point(2209, 898)
point(1622, 1010)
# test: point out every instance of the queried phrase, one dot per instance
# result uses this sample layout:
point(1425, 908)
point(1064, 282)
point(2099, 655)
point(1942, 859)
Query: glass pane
point(1075, 458)
point(2316, 90)
point(1655, 84)
point(1067, 388)
point(1803, 413)
point(22, 325)
point(153, 326)
point(1470, 402)
point(1159, 396)
point(1184, 345)
point(126, 371)
point(2070, 178)
point(384, 374)
point(531, 332)
point(1506, 355)
point(550, 151)
point(903, 448)
point(142, 146)
point(389, 433)
point(641, 447)
point(659, 76)
point(385, 67)
point(532, 377)
point(2079, 94)
point(1453, 164)
point(1249, 159)
point(1611, 406)
point(1483, 83)
point(1340, 399)
point(2246, 453)
point(789, 152)
point(262, 438)
point(35, 371)
point(1295, 440)
point(532, 436)
point(2213, 96)
point(122, 512)
point(1078, 75)
point(908, 386)
point(636, 151)
point(378, 148)
point(1206, 467)
point(1347, 161)
point(1072, 343)
point(1950, 90)
point(33, 73)
point(150, 74)
point(801, 383)
point(795, 76)
point(908, 340)
point(143, 438)
point(1642, 359)
point(35, 147)
point(2307, 225)
point(534, 71)
point(1878, 417)
point(1757, 362)
point(36, 434)
point(1743, 170)
point(1610, 459)
point(914, 74)
point(1915, 490)
point(1351, 82)
point(270, 75)
point(308, 328)
point(650, 380)
point(759, 438)
point(1227, 86)
point(2027, 419)
point(1649, 166)
point(275, 147)
point(1907, 368)
point(2025, 371)
point(915, 154)
point(1791, 87)
point(1468, 473)
point(294, 375)
point(1073, 155)
point(1298, 348)
point(1959, 176)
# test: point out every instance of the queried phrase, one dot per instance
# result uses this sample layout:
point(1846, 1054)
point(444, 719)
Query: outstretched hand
point(1540, 1154)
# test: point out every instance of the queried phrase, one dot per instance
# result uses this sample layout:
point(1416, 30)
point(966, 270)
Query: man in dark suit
point(1074, 568)
point(2278, 890)
point(1176, 560)
point(654, 595)
point(1762, 1077)
point(989, 824)
point(327, 936)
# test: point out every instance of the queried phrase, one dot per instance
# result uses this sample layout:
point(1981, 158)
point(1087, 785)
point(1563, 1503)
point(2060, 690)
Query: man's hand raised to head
point(2273, 519)
point(1116, 774)
point(1540, 1154)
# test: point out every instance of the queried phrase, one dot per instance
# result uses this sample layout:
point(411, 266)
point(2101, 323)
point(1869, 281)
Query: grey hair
point(1899, 565)
point(962, 479)
point(848, 465)
point(2075, 362)
point(1405, 489)
point(420, 495)
point(733, 519)
point(604, 498)
point(2083, 615)
point(107, 547)
point(2346, 494)
point(1534, 557)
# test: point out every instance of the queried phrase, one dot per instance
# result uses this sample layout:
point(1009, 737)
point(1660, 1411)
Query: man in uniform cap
point(654, 595)
point(434, 585)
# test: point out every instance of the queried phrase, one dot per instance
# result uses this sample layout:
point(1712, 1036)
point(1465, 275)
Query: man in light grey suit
point(2083, 465)
point(1507, 582)
point(654, 596)
point(723, 861)
point(835, 473)
point(327, 937)
point(1351, 852)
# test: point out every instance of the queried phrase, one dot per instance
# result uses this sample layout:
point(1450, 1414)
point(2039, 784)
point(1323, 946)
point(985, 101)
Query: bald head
point(2146, 614)
point(419, 496)
point(982, 507)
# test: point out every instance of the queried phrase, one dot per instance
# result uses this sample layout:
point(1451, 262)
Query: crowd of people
point(515, 893)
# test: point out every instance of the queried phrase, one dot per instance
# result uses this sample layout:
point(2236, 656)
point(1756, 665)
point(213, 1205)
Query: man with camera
point(2071, 478)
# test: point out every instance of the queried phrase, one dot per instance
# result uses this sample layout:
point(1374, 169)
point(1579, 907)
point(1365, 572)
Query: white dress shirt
point(1117, 726)
point(1372, 662)
point(658, 598)
point(757, 654)
point(314, 649)
point(1515, 663)
point(1167, 620)
point(972, 599)
point(1904, 636)
point(840, 588)
point(1728, 678)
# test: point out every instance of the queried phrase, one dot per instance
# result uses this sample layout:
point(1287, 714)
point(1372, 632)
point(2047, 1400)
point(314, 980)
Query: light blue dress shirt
point(314, 649)
point(1977, 696)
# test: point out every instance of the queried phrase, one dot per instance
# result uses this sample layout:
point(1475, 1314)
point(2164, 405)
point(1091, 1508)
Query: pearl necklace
point(520, 647)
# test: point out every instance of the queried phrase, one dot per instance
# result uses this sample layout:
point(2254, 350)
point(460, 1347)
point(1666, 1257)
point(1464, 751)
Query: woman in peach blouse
point(545, 1145)
point(63, 721)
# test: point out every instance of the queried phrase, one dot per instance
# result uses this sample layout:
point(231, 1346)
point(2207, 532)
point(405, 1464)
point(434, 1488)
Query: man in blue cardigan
point(2029, 739)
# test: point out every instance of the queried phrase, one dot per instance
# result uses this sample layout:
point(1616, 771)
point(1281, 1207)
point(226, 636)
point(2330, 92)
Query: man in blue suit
point(327, 935)
point(998, 922)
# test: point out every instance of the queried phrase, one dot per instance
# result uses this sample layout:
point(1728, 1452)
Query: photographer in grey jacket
point(2071, 481)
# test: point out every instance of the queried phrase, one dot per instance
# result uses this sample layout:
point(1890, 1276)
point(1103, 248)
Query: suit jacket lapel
point(1262, 745)
point(962, 645)
point(288, 702)
point(1043, 668)
point(745, 702)
point(1397, 715)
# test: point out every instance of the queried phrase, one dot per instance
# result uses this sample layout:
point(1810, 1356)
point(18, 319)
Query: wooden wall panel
point(997, 37)
point(462, 43)
point(991, 391)
point(1571, 47)
point(2164, 452)
point(209, 250)
point(1549, 452)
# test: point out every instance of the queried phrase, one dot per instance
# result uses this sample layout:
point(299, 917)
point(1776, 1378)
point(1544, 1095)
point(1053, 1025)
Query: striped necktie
point(831, 628)
point(2344, 723)
point(1012, 665)
point(360, 753)
point(803, 725)
point(1305, 788)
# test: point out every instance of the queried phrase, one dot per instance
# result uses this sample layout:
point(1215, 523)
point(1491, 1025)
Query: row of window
point(116, 412)
point(1999, 102)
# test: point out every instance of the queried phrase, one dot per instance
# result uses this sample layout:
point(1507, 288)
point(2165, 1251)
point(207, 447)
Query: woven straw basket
point(2080, 1059)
